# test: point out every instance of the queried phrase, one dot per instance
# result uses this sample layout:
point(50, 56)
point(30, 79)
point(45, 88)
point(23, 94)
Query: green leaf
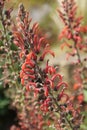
point(85, 95)
point(1, 43)
point(3, 103)
point(13, 47)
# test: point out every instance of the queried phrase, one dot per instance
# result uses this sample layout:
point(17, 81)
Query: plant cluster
point(40, 94)
point(74, 36)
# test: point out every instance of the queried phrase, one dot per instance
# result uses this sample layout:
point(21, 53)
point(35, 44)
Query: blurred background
point(44, 12)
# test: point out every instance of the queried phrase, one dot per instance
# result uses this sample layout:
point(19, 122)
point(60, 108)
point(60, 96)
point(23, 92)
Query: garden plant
point(42, 98)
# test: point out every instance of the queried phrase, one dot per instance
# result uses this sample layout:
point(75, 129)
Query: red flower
point(80, 98)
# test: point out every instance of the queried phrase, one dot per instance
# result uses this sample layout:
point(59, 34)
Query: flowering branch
point(73, 31)
point(41, 97)
point(41, 82)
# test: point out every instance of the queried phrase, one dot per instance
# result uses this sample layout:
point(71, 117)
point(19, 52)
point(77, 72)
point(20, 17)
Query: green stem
point(59, 109)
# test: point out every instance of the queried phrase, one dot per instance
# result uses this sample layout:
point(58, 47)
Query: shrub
point(39, 94)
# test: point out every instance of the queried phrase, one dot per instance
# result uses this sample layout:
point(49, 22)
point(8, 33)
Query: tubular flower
point(45, 84)
point(73, 29)
point(75, 32)
point(71, 21)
